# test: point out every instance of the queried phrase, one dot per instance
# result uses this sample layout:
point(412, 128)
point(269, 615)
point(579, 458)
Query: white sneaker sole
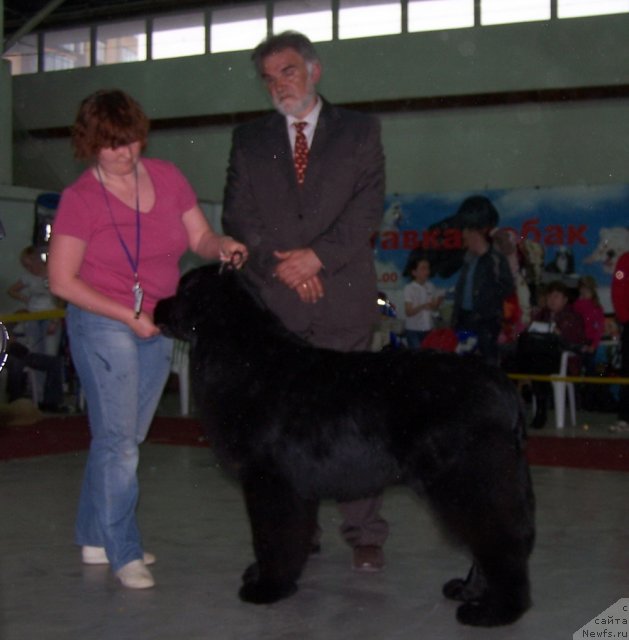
point(97, 555)
point(135, 575)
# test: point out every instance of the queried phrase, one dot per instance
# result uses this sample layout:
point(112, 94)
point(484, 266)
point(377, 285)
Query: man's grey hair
point(281, 41)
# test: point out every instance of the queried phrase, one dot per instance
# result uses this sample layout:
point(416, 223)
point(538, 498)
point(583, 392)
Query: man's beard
point(294, 108)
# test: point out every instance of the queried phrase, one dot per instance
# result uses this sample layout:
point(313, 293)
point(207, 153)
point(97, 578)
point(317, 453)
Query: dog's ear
point(163, 317)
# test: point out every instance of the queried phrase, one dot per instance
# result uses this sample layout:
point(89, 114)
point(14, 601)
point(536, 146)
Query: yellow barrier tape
point(575, 379)
point(25, 316)
point(60, 313)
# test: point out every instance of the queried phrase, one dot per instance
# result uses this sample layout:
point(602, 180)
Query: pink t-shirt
point(83, 213)
point(593, 319)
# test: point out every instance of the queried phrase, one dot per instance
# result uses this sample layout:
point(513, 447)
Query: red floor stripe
point(67, 434)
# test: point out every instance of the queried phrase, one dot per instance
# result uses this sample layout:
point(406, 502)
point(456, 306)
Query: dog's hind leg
point(506, 595)
point(466, 589)
point(493, 516)
point(282, 526)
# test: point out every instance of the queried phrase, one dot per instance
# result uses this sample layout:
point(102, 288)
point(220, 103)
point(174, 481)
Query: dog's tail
point(520, 429)
point(519, 418)
point(513, 406)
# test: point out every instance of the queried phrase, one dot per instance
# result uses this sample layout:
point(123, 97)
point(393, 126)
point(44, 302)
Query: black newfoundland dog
point(299, 423)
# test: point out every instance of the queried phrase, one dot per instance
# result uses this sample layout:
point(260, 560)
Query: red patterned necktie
point(301, 152)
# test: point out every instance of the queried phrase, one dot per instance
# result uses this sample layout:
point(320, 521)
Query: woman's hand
point(143, 327)
point(205, 242)
point(232, 251)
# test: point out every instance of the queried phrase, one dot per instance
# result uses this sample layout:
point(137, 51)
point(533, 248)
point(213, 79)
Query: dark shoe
point(368, 559)
point(59, 409)
point(315, 549)
point(18, 350)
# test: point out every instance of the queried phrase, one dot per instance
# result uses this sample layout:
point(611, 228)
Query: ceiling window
point(121, 42)
point(581, 8)
point(68, 49)
point(23, 55)
point(238, 28)
point(313, 18)
point(509, 11)
point(364, 18)
point(178, 36)
point(431, 15)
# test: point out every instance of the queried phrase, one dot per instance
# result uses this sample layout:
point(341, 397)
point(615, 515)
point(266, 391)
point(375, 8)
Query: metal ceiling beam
point(31, 24)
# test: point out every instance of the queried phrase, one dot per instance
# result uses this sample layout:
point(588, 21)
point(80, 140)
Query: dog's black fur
point(299, 423)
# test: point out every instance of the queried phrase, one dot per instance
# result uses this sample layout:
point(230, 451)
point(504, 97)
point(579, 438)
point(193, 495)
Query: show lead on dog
point(305, 192)
point(119, 233)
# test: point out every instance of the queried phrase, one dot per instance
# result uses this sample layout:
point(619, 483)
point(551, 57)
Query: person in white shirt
point(31, 289)
point(421, 300)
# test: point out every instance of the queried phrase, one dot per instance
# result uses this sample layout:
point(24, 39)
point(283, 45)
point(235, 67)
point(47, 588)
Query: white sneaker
point(97, 555)
point(135, 575)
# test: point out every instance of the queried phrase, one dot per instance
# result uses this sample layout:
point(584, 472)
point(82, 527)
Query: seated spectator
point(19, 357)
point(31, 289)
point(564, 327)
point(588, 306)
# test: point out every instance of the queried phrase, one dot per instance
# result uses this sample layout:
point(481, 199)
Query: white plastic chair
point(560, 388)
point(181, 366)
point(34, 383)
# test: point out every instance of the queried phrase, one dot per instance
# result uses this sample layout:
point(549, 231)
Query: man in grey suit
point(306, 207)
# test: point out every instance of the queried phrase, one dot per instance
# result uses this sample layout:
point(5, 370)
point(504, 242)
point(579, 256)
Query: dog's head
point(201, 297)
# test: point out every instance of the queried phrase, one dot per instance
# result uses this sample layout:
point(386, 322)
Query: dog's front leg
point(466, 590)
point(282, 526)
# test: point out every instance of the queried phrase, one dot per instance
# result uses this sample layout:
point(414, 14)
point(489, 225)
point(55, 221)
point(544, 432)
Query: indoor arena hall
point(193, 519)
point(468, 160)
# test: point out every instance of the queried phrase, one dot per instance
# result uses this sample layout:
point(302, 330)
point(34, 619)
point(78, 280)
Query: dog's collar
point(235, 261)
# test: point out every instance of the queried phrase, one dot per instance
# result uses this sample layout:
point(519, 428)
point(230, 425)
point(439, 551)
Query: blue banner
point(547, 234)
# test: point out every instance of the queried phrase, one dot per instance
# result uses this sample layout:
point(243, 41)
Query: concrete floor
point(193, 519)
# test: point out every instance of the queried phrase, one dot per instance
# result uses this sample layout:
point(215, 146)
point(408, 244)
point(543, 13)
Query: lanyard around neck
point(134, 263)
point(138, 292)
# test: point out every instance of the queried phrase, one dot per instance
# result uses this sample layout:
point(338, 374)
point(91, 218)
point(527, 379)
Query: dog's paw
point(455, 590)
point(488, 614)
point(251, 573)
point(462, 590)
point(472, 588)
point(258, 592)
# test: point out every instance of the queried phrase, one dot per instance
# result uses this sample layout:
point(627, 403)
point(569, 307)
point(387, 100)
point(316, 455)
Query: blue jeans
point(123, 377)
point(414, 338)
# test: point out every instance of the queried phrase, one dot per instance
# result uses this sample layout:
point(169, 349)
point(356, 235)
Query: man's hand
point(311, 290)
point(296, 266)
point(298, 269)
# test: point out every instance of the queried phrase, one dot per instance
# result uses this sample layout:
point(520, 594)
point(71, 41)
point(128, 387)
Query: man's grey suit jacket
point(335, 212)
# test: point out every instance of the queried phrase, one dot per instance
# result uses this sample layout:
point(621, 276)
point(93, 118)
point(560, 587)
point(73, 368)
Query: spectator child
point(421, 299)
point(588, 306)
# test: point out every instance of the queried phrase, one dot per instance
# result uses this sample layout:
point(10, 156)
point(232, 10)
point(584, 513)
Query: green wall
point(508, 145)
point(6, 149)
point(524, 144)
